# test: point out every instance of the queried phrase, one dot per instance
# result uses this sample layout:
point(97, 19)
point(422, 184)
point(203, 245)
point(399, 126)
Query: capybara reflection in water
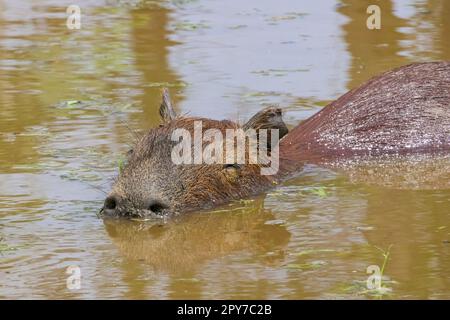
point(401, 112)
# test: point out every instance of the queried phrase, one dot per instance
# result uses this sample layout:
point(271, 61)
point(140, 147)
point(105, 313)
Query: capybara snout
point(115, 206)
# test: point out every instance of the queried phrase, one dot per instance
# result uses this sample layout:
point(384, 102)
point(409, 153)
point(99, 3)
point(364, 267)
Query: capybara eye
point(231, 166)
point(232, 172)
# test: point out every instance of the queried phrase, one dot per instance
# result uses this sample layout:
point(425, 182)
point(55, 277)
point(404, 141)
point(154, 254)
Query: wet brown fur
point(402, 111)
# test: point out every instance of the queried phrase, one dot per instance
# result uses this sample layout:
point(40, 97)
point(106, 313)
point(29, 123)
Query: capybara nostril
point(156, 206)
point(111, 203)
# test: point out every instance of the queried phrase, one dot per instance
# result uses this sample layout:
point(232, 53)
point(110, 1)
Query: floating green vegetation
point(320, 191)
point(239, 26)
point(377, 284)
point(278, 72)
point(261, 94)
point(354, 288)
point(381, 289)
point(307, 266)
point(317, 191)
point(287, 16)
point(314, 251)
point(121, 163)
point(71, 105)
point(386, 258)
point(97, 107)
point(5, 247)
point(190, 26)
point(360, 288)
point(73, 102)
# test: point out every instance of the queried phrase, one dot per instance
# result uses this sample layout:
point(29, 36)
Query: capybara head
point(152, 184)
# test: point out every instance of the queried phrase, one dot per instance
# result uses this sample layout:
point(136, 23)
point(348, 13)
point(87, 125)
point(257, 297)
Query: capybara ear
point(166, 110)
point(269, 118)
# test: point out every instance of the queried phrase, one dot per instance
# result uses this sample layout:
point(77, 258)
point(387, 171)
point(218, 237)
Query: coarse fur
point(402, 111)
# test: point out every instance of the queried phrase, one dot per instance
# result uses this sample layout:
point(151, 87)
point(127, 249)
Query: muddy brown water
point(68, 96)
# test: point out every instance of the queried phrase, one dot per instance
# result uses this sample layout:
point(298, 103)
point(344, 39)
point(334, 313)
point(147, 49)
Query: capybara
point(400, 112)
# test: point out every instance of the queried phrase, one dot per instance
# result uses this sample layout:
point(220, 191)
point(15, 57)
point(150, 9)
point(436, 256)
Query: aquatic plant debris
point(72, 102)
point(314, 251)
point(275, 222)
point(307, 266)
point(382, 289)
point(5, 247)
point(318, 191)
point(190, 26)
point(278, 72)
point(287, 16)
point(121, 162)
point(359, 287)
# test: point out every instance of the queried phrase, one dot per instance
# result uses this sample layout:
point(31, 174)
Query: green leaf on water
point(288, 16)
point(313, 251)
point(239, 26)
point(306, 266)
point(5, 247)
point(320, 191)
point(381, 291)
point(72, 102)
point(121, 164)
point(189, 26)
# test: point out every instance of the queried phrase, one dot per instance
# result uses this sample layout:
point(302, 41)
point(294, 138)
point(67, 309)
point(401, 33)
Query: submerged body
point(400, 112)
point(403, 111)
